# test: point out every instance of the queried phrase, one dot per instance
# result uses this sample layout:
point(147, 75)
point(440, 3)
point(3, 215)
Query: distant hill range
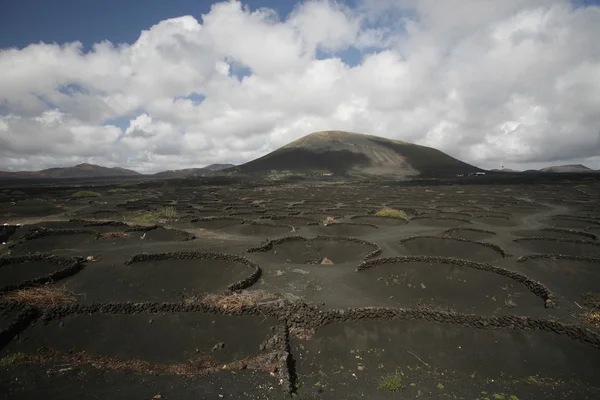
point(568, 168)
point(97, 171)
point(357, 155)
point(77, 171)
point(184, 173)
point(571, 168)
point(504, 170)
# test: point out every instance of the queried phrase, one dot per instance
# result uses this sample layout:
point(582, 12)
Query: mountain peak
point(355, 154)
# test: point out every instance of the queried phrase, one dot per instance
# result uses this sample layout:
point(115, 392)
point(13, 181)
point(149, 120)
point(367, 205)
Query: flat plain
point(177, 289)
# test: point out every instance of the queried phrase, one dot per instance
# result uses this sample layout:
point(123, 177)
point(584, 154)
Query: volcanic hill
point(78, 171)
point(567, 168)
point(357, 155)
point(189, 172)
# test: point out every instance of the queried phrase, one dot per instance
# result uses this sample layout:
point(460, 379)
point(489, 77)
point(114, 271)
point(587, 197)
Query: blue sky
point(23, 22)
point(30, 21)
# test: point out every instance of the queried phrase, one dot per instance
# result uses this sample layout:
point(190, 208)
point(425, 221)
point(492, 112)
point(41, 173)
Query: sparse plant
point(392, 383)
point(510, 303)
point(112, 235)
point(236, 301)
point(85, 193)
point(12, 359)
point(592, 313)
point(42, 296)
point(118, 190)
point(392, 213)
point(168, 213)
point(165, 214)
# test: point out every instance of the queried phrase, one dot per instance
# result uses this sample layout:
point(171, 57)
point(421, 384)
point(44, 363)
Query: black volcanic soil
point(343, 228)
point(17, 272)
point(161, 280)
point(303, 252)
point(54, 243)
point(442, 361)
point(502, 322)
point(185, 336)
point(439, 246)
point(88, 383)
point(380, 221)
point(448, 286)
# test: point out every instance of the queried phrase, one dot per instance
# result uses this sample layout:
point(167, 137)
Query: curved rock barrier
point(492, 216)
point(573, 218)
point(217, 218)
point(68, 266)
point(455, 229)
point(242, 221)
point(427, 216)
point(454, 214)
point(492, 246)
point(269, 245)
point(351, 224)
point(570, 231)
point(528, 257)
point(387, 220)
point(562, 240)
point(196, 255)
point(43, 232)
point(537, 288)
point(300, 315)
point(292, 216)
point(186, 236)
point(88, 223)
point(6, 231)
point(18, 324)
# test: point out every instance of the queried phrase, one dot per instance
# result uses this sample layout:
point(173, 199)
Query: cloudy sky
point(154, 85)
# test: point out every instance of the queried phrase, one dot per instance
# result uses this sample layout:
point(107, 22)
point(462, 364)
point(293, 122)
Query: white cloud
point(516, 84)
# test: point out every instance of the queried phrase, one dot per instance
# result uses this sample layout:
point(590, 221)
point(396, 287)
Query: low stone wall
point(18, 324)
point(194, 255)
point(537, 288)
point(556, 257)
point(269, 245)
point(447, 231)
point(570, 231)
point(70, 266)
point(492, 246)
point(563, 240)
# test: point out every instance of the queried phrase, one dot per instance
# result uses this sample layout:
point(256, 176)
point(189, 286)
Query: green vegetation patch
point(391, 212)
point(85, 193)
point(392, 383)
point(118, 190)
point(165, 214)
point(12, 359)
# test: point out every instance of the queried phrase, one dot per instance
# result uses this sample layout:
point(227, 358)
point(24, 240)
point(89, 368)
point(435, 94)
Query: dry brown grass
point(42, 296)
point(199, 366)
point(302, 333)
point(592, 318)
point(112, 235)
point(237, 300)
point(592, 313)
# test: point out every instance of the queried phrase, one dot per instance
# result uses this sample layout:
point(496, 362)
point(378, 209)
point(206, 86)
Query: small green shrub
point(391, 383)
point(167, 213)
point(12, 359)
point(85, 193)
point(391, 212)
point(118, 190)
